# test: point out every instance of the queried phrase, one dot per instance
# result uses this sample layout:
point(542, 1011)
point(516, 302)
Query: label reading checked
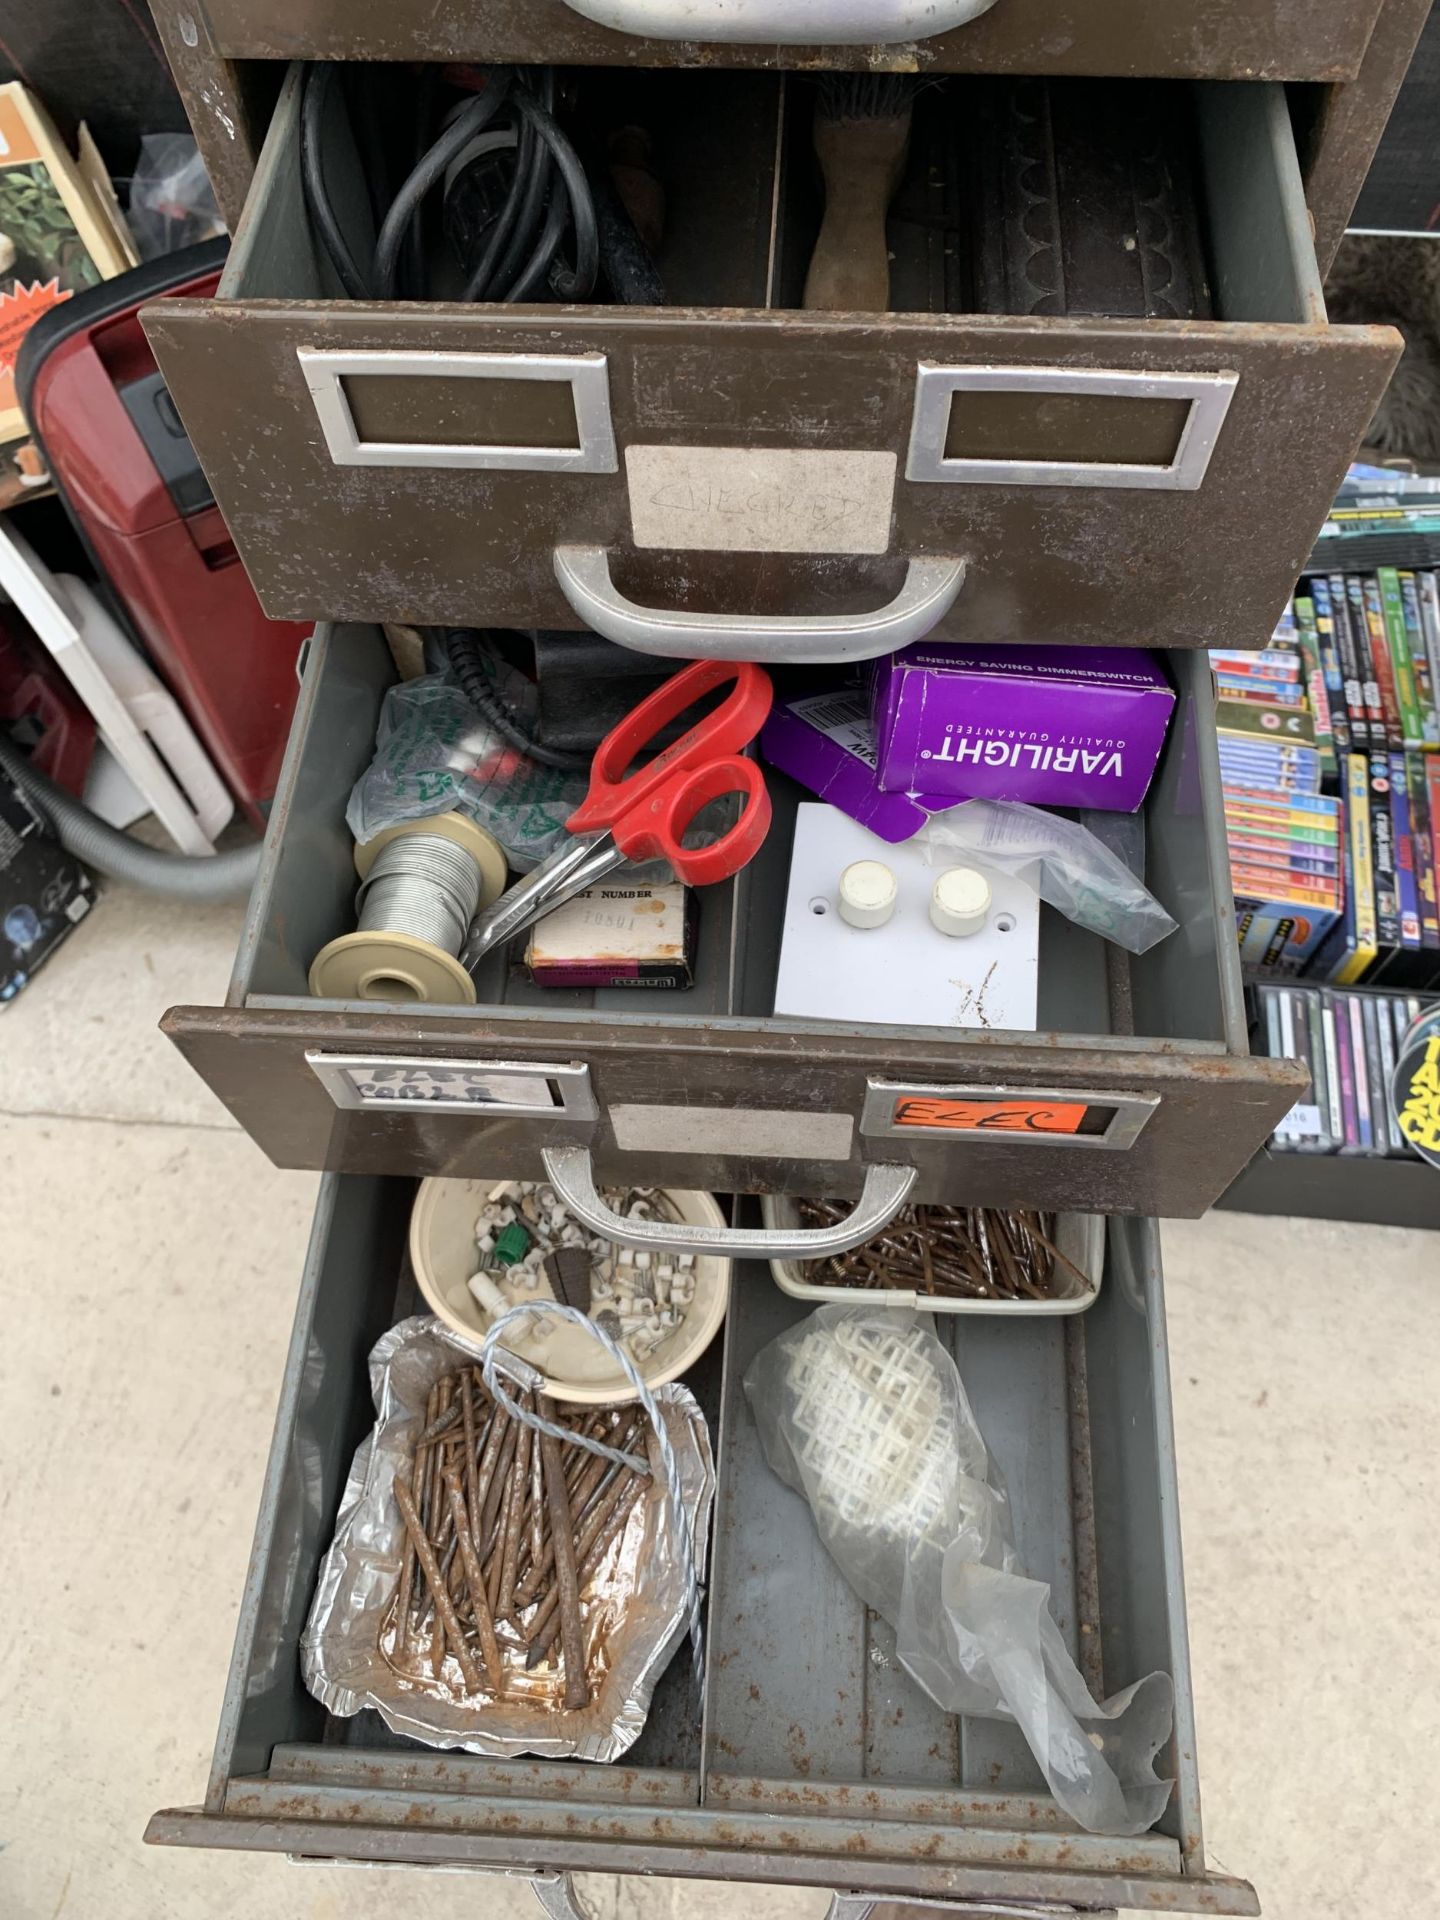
point(991, 1116)
point(760, 499)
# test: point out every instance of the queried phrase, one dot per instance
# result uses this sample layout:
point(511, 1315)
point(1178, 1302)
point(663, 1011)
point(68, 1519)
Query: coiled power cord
point(547, 198)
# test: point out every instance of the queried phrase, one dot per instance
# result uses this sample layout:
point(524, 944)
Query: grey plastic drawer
point(705, 1088)
point(565, 467)
point(812, 1758)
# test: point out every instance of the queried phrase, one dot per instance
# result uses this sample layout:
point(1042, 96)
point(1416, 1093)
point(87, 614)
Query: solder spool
point(398, 963)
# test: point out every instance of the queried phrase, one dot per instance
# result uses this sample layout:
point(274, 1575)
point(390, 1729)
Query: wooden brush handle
point(862, 161)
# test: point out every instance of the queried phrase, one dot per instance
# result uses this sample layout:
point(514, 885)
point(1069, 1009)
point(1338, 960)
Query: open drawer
point(812, 1757)
point(1243, 39)
point(1030, 450)
point(705, 1087)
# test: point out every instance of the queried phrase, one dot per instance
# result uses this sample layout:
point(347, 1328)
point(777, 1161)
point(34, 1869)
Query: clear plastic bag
point(1079, 876)
point(171, 201)
point(434, 754)
point(862, 1411)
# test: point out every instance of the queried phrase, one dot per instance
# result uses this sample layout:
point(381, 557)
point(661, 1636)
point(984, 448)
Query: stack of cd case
point(1350, 1042)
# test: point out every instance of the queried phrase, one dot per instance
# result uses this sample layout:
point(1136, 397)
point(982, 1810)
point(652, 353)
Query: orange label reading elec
point(992, 1116)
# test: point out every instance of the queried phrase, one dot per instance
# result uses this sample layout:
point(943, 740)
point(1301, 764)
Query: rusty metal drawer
point(812, 1758)
point(1238, 39)
point(706, 1088)
point(1014, 468)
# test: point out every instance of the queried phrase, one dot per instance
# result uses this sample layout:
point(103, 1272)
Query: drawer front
point(974, 475)
point(704, 1087)
point(1240, 39)
point(762, 1779)
point(729, 1107)
point(332, 526)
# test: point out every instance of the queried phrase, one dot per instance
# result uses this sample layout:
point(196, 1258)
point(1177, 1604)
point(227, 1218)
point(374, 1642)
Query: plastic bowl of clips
point(664, 1309)
point(1052, 1266)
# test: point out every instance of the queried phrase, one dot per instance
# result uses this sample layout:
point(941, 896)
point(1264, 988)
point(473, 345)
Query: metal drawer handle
point(812, 23)
point(929, 592)
point(571, 1171)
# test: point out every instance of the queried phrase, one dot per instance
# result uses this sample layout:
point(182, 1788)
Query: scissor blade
point(582, 862)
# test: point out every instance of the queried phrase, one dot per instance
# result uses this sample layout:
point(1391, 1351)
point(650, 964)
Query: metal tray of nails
point(1079, 1238)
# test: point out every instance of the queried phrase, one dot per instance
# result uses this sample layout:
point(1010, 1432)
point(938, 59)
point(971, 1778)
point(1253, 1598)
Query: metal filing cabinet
point(810, 1758)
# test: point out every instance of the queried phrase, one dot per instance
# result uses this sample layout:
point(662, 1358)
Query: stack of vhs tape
point(1350, 1041)
point(1330, 754)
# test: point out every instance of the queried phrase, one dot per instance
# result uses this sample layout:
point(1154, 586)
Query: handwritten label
point(446, 1086)
point(500, 1087)
point(991, 1116)
point(760, 499)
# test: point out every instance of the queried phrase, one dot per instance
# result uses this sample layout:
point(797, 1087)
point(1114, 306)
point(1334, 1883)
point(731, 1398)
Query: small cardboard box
point(1051, 726)
point(617, 935)
point(60, 230)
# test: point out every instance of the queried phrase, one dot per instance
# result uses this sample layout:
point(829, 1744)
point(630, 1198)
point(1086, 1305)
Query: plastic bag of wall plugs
point(862, 1411)
point(434, 754)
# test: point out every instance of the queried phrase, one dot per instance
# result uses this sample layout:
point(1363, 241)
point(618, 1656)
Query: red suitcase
point(122, 464)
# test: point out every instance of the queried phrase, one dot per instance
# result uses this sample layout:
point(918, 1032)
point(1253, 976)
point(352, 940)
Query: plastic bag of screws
point(443, 1602)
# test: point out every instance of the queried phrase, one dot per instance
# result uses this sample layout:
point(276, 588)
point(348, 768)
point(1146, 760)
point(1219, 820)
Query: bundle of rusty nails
point(505, 1526)
point(971, 1253)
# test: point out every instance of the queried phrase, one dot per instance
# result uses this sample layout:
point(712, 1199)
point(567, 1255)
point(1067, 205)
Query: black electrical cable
point(539, 170)
point(538, 135)
point(463, 647)
point(578, 284)
point(474, 117)
point(481, 282)
point(412, 264)
point(548, 197)
point(534, 168)
point(536, 273)
point(318, 80)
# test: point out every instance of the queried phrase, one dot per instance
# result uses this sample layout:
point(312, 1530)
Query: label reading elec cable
point(991, 1116)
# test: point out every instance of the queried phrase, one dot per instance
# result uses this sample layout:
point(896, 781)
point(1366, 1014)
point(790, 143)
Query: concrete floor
point(151, 1260)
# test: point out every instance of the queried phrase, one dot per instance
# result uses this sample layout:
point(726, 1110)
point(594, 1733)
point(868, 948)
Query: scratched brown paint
point(1236, 39)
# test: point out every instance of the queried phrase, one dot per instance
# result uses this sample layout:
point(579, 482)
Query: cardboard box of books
point(60, 230)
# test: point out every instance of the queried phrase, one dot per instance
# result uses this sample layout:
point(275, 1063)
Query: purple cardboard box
point(824, 740)
point(1054, 726)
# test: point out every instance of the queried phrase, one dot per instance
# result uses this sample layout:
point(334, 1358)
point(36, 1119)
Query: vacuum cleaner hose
point(180, 876)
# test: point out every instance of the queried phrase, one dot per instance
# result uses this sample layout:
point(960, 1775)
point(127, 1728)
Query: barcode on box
point(843, 718)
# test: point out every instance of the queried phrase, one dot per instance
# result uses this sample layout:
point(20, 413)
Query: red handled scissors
point(645, 814)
